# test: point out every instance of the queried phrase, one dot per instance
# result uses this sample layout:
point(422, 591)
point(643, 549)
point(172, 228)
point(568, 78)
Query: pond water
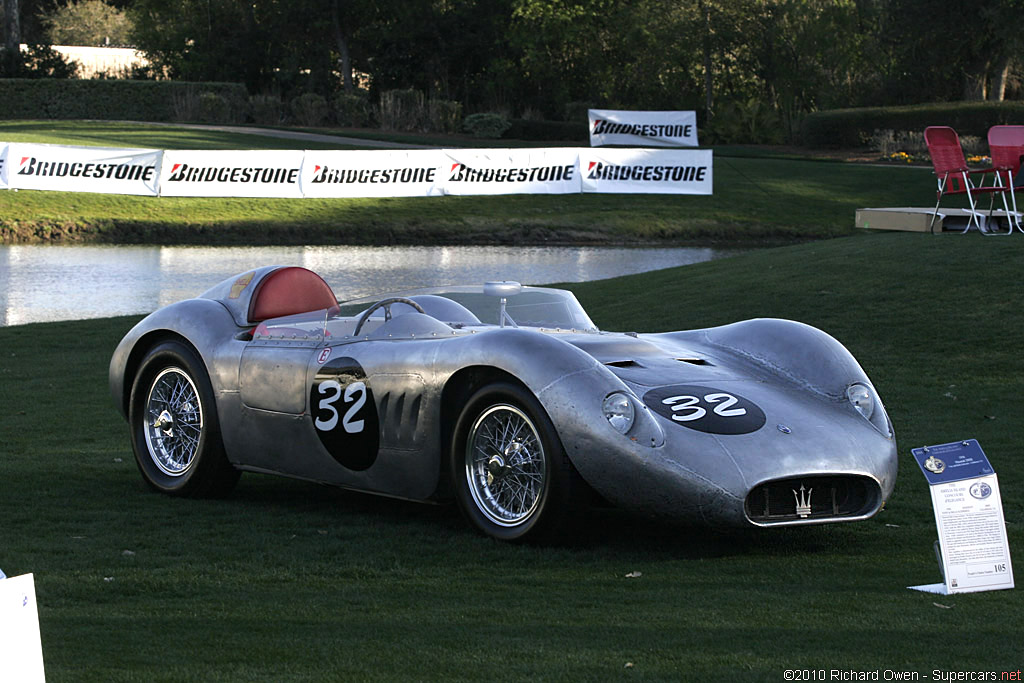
point(47, 283)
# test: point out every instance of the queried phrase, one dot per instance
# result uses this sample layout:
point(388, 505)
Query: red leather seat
point(288, 291)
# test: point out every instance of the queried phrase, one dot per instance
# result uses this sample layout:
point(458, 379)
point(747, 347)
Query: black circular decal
point(344, 413)
point(706, 409)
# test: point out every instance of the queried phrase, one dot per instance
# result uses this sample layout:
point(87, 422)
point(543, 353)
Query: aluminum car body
point(745, 424)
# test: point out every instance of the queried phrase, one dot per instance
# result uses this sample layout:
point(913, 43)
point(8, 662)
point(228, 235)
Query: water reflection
point(46, 283)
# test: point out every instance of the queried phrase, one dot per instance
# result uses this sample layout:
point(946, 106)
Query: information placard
point(974, 550)
point(21, 651)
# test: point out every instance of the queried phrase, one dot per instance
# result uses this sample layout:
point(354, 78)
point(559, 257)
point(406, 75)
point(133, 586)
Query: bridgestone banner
point(246, 173)
point(647, 171)
point(642, 128)
point(354, 173)
point(373, 173)
point(511, 171)
point(82, 169)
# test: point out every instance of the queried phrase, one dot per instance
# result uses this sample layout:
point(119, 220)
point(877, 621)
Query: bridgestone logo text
point(665, 174)
point(76, 169)
point(647, 130)
point(343, 176)
point(542, 174)
point(183, 173)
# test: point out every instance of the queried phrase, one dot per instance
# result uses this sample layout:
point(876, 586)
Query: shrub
point(266, 109)
point(751, 122)
point(186, 104)
point(562, 131)
point(351, 110)
point(213, 108)
point(577, 111)
point(486, 125)
point(444, 116)
point(309, 109)
point(402, 110)
point(888, 142)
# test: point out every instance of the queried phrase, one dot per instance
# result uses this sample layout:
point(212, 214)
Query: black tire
point(511, 477)
point(175, 432)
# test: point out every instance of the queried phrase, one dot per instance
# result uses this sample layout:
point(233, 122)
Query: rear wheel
point(512, 478)
point(174, 426)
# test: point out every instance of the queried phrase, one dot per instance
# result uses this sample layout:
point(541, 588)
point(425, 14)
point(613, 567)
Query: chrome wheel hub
point(505, 465)
point(174, 422)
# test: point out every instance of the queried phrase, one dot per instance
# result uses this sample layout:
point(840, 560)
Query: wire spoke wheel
point(172, 414)
point(174, 421)
point(505, 466)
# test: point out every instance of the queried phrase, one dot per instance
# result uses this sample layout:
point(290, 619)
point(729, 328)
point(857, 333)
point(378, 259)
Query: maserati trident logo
point(803, 501)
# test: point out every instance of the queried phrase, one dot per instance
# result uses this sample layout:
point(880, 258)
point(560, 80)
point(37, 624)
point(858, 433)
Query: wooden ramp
point(917, 219)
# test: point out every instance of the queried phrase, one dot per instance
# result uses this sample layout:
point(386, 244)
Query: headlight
point(619, 411)
point(867, 403)
point(862, 399)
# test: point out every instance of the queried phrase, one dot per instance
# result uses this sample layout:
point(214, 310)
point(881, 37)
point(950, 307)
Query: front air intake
point(808, 500)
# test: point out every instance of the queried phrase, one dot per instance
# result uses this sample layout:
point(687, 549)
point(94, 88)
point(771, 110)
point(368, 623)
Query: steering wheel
point(386, 305)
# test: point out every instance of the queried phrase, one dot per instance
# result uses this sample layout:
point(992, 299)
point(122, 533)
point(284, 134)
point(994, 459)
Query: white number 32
point(689, 408)
point(331, 390)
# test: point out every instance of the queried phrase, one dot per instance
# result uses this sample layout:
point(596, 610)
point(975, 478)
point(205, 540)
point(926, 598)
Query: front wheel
point(174, 427)
point(511, 476)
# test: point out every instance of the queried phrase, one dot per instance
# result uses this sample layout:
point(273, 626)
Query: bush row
point(142, 100)
point(854, 127)
point(532, 129)
point(41, 98)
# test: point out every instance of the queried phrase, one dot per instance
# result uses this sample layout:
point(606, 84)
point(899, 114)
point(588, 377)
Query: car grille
point(813, 499)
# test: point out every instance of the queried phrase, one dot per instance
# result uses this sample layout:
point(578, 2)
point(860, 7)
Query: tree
point(12, 36)
point(964, 50)
point(87, 22)
point(273, 45)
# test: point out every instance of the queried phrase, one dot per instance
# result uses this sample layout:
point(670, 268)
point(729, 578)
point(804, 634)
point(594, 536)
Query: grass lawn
point(756, 199)
point(287, 581)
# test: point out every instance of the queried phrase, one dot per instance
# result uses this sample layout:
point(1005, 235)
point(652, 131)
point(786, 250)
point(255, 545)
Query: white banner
point(643, 128)
point(653, 171)
point(372, 173)
point(82, 169)
point(354, 173)
point(3, 165)
point(551, 170)
point(228, 173)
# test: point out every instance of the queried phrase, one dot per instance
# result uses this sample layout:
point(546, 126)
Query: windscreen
point(532, 307)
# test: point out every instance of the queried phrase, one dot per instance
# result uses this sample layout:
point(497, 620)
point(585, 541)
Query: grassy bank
point(287, 581)
point(756, 200)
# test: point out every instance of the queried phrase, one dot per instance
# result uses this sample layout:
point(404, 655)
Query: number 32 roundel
point(345, 414)
point(706, 409)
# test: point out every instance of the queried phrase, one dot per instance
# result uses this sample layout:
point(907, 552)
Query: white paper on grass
point(21, 650)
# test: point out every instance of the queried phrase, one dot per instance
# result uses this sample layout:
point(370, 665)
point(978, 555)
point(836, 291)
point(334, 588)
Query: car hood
point(743, 434)
point(652, 360)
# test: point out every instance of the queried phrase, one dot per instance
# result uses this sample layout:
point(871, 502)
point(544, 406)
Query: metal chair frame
point(1006, 145)
point(954, 177)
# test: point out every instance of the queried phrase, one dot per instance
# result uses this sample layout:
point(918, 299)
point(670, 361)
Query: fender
point(203, 323)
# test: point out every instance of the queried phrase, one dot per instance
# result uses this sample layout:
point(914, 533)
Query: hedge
point(851, 127)
point(113, 100)
point(529, 129)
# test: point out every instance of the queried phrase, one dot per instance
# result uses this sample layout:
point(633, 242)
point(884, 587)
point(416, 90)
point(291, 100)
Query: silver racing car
point(506, 399)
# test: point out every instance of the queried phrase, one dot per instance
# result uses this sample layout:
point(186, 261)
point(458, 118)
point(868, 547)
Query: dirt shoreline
point(131, 232)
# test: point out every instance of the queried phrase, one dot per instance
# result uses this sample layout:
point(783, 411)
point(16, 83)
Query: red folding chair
point(1006, 145)
point(954, 177)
